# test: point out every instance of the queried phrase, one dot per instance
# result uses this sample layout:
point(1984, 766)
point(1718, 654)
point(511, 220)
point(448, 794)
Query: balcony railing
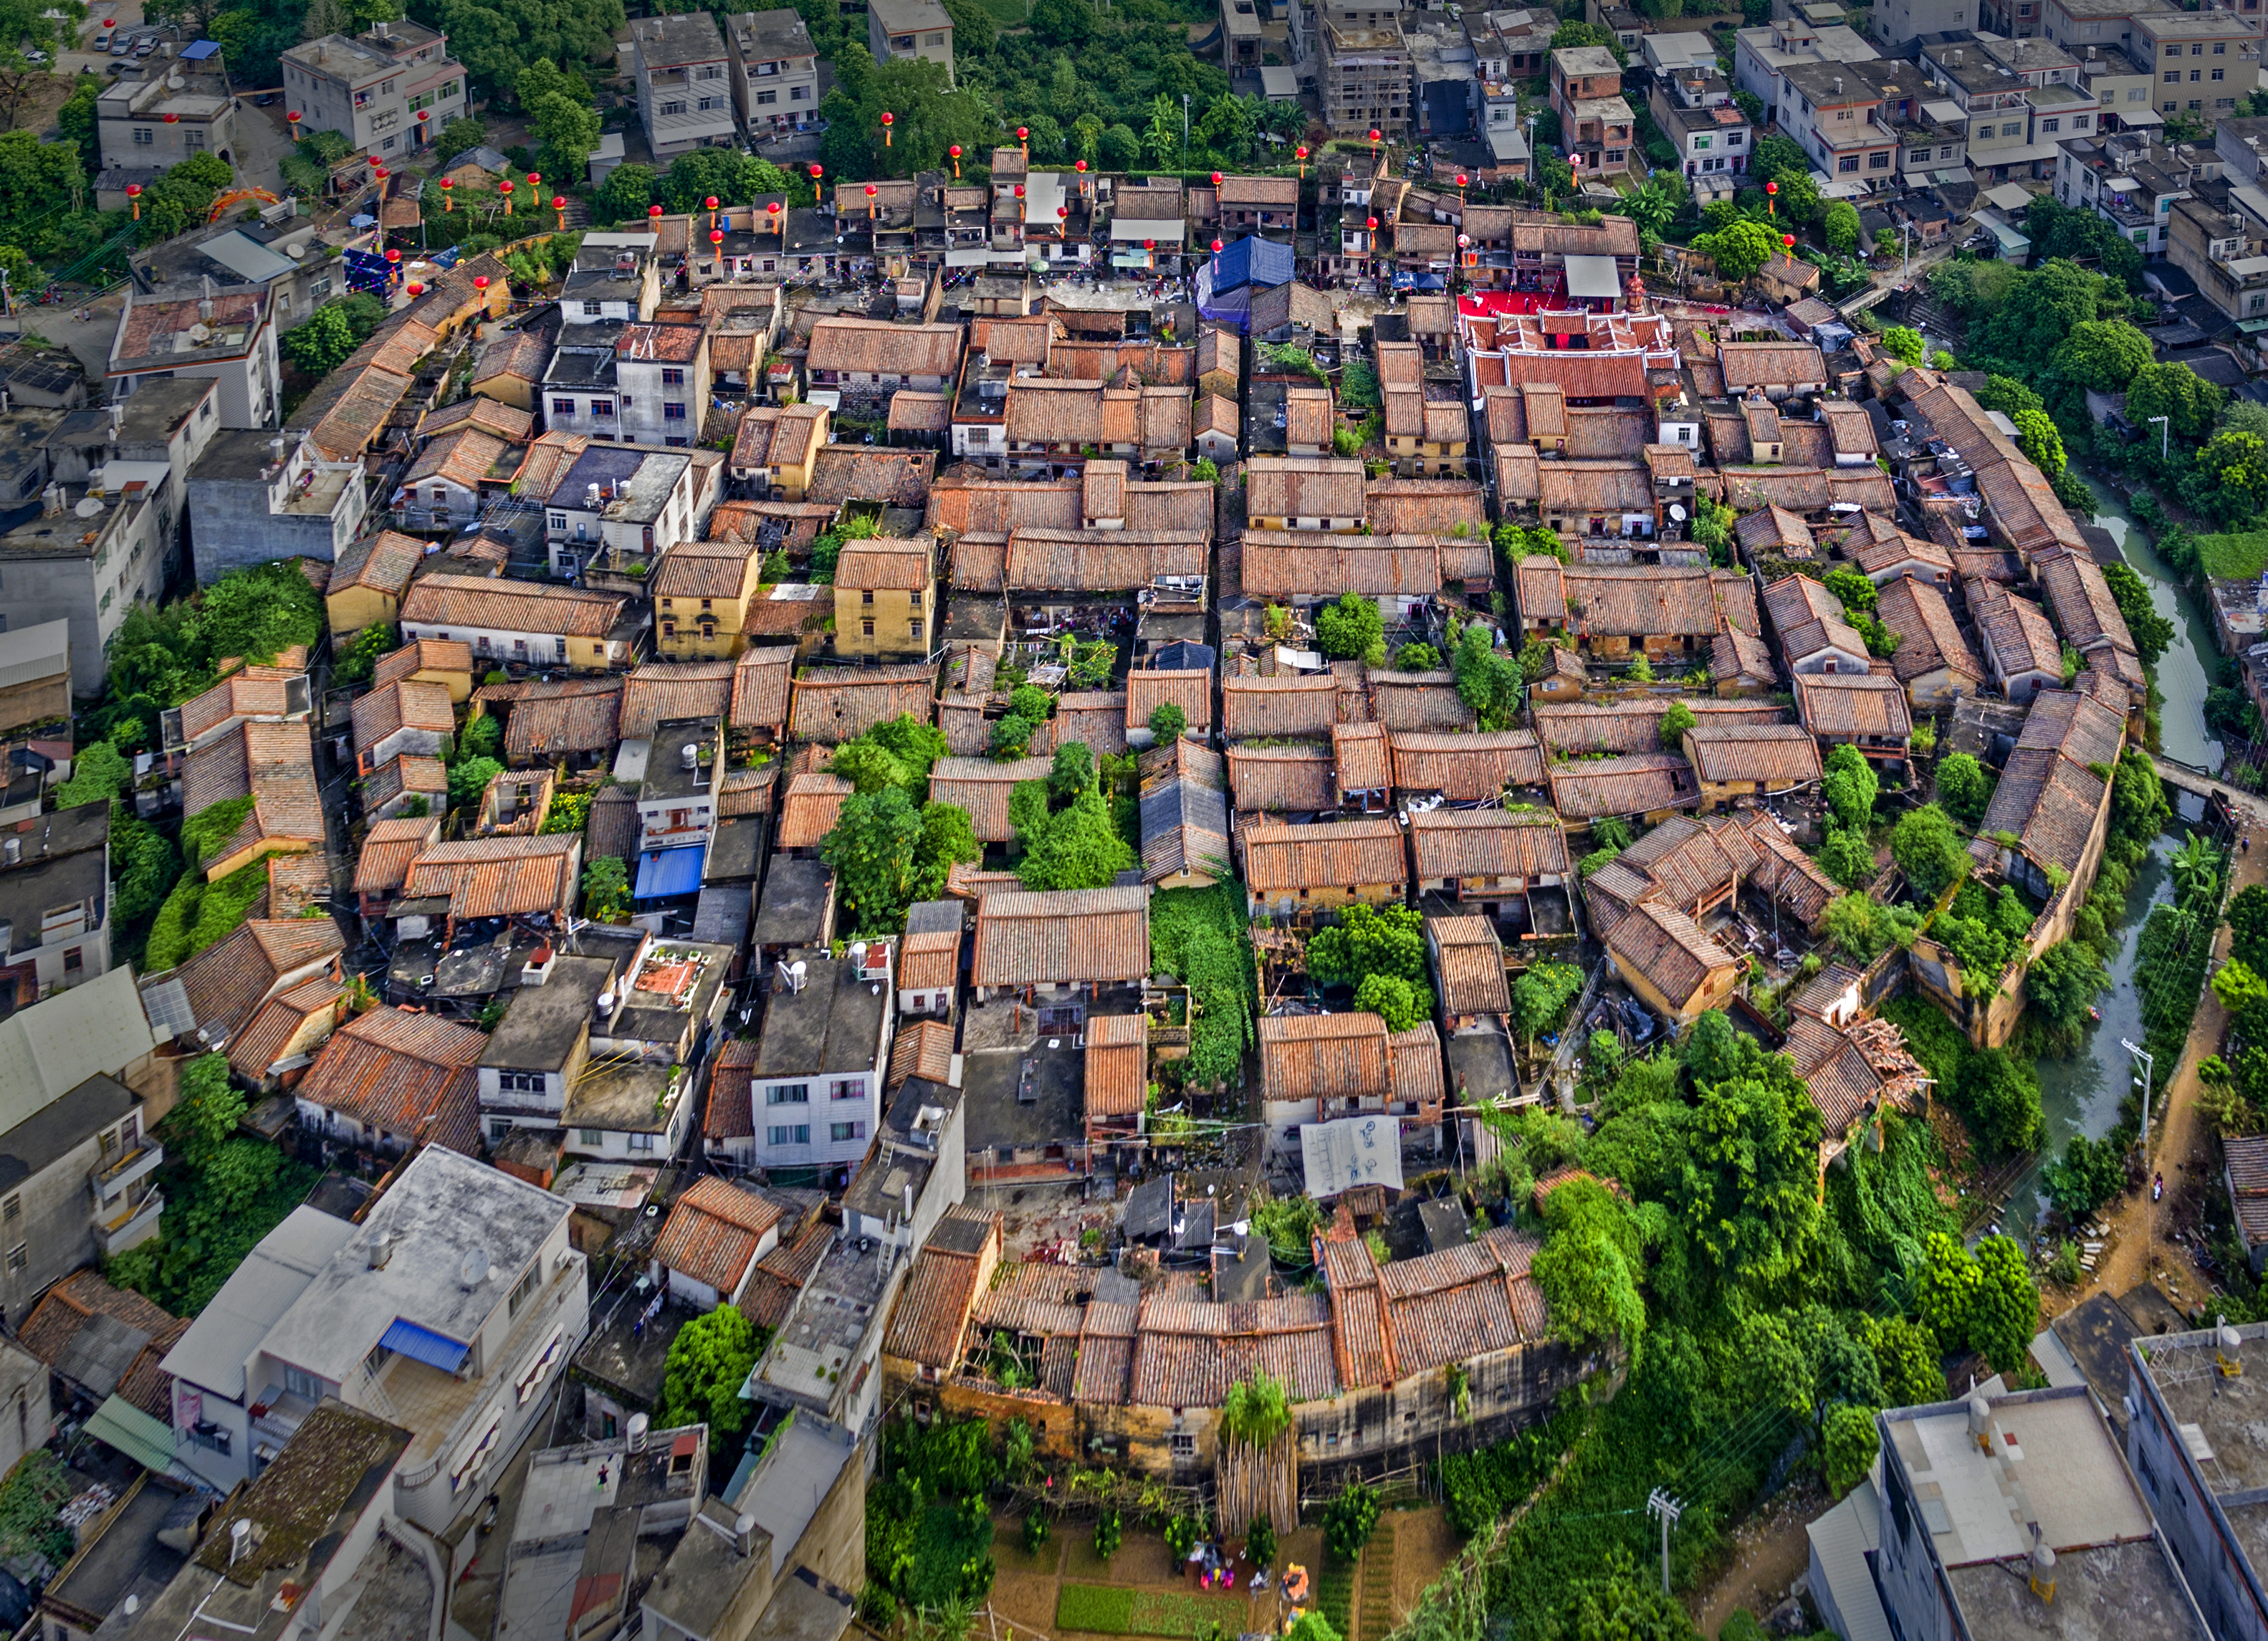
point(120, 1172)
point(132, 1226)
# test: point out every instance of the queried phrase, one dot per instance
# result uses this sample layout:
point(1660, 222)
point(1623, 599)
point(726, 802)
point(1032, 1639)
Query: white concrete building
point(684, 83)
point(388, 91)
point(449, 1312)
point(815, 1093)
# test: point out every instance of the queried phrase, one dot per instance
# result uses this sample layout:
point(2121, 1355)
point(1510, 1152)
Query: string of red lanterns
point(888, 120)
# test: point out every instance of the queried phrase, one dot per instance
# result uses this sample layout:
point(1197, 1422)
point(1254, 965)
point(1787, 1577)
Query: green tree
point(2063, 983)
point(1850, 786)
point(1260, 1543)
point(1985, 1302)
point(1402, 1005)
point(2036, 437)
point(1840, 224)
point(709, 1361)
point(1368, 940)
point(1853, 591)
point(568, 129)
point(1962, 787)
point(1077, 846)
point(1739, 250)
point(872, 848)
point(76, 120)
point(100, 772)
point(1928, 850)
point(607, 890)
point(1849, 1443)
point(1541, 996)
point(2007, 396)
point(2247, 927)
point(459, 134)
point(2153, 633)
point(1168, 722)
point(1848, 858)
point(947, 840)
point(1905, 343)
point(625, 193)
point(1350, 1519)
point(868, 765)
point(469, 778)
point(1591, 1266)
point(2101, 355)
point(321, 342)
point(1256, 1411)
point(1675, 722)
point(2230, 484)
point(1905, 1362)
point(2171, 390)
point(1999, 1097)
point(1120, 150)
point(2089, 1173)
point(1349, 630)
point(1749, 1195)
point(1489, 679)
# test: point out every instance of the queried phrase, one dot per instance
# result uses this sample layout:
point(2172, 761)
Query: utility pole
point(2149, 1205)
point(1659, 1503)
point(1185, 135)
point(2165, 430)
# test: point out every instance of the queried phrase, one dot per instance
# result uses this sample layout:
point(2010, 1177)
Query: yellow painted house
point(702, 590)
point(885, 598)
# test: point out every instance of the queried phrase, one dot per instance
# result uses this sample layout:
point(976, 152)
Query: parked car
point(121, 45)
point(145, 47)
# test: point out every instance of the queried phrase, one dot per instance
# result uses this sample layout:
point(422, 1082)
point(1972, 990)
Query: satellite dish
point(295, 252)
point(475, 1269)
point(1678, 512)
point(87, 507)
point(200, 331)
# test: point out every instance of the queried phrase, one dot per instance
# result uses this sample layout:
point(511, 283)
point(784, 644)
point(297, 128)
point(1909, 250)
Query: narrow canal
point(2080, 1095)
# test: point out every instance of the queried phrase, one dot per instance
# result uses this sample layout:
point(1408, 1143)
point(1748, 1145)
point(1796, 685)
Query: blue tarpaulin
point(1251, 262)
point(423, 1344)
point(666, 872)
point(200, 51)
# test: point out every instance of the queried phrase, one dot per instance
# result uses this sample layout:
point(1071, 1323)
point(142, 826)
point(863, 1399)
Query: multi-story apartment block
point(1365, 70)
point(1761, 56)
point(447, 1309)
point(2121, 84)
point(627, 504)
point(774, 69)
point(1695, 109)
point(685, 76)
point(389, 90)
point(661, 376)
point(256, 496)
point(2128, 181)
point(88, 553)
point(2021, 99)
point(155, 122)
point(815, 1092)
point(227, 333)
point(1846, 116)
point(910, 28)
point(2204, 61)
point(2223, 250)
point(885, 598)
point(2075, 25)
point(1899, 25)
point(1596, 124)
point(617, 280)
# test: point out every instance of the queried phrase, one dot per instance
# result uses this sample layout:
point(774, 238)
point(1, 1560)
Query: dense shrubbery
point(1200, 936)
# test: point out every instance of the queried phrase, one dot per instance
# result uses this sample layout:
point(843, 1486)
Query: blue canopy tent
point(663, 872)
point(1227, 279)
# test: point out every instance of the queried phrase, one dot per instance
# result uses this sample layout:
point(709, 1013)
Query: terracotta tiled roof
point(1117, 1065)
point(1188, 1353)
point(714, 1232)
point(810, 807)
point(1290, 705)
point(1775, 755)
point(929, 959)
point(1318, 564)
point(728, 1114)
point(1749, 364)
point(1809, 620)
point(1092, 935)
point(508, 423)
point(1641, 601)
point(1847, 705)
point(408, 1075)
point(932, 1309)
point(1639, 783)
point(2018, 637)
point(878, 348)
point(1466, 768)
point(407, 704)
point(1419, 700)
point(1361, 756)
point(387, 850)
point(880, 565)
point(1282, 777)
point(1468, 960)
point(838, 703)
point(480, 602)
point(665, 692)
point(1323, 1056)
point(499, 877)
point(780, 1275)
point(1348, 854)
point(1303, 487)
point(424, 655)
point(1930, 639)
point(1835, 1073)
point(1100, 561)
point(1571, 488)
point(1148, 689)
point(1095, 719)
point(854, 473)
point(271, 763)
point(550, 719)
point(2049, 802)
point(760, 686)
point(260, 1043)
point(1668, 949)
point(250, 692)
point(384, 561)
point(982, 788)
point(1184, 816)
point(706, 569)
point(2079, 726)
point(1488, 843)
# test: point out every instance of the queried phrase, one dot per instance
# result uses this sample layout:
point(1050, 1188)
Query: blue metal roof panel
point(423, 1344)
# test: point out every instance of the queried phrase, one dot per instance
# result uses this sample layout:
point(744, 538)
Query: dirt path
point(2140, 1251)
point(1770, 1551)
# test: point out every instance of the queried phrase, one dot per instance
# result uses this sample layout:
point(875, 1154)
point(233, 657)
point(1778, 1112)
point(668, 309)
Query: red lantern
point(110, 22)
point(1460, 178)
point(955, 152)
point(1080, 167)
point(888, 120)
point(1300, 152)
point(504, 187)
point(709, 204)
point(872, 190)
point(1370, 224)
point(480, 282)
point(1218, 247)
point(817, 172)
point(447, 203)
point(1149, 245)
point(1023, 134)
point(1788, 240)
point(173, 119)
point(535, 179)
point(393, 255)
point(415, 289)
point(424, 114)
point(774, 208)
point(134, 198)
point(716, 236)
point(1062, 212)
point(1374, 134)
point(382, 173)
point(559, 202)
point(1019, 190)
point(293, 120)
point(1771, 187)
point(1216, 178)
point(653, 212)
